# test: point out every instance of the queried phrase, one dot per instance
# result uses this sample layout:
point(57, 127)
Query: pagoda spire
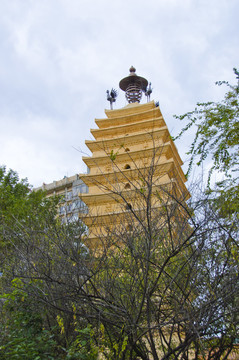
point(133, 85)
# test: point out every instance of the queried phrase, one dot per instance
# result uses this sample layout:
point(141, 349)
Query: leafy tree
point(22, 331)
point(20, 205)
point(217, 138)
point(160, 283)
point(17, 201)
point(32, 237)
point(217, 132)
point(25, 334)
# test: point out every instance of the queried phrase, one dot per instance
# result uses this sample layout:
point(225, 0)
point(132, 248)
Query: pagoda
point(132, 154)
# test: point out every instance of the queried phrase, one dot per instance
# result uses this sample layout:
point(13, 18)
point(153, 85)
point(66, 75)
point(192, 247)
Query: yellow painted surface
point(128, 144)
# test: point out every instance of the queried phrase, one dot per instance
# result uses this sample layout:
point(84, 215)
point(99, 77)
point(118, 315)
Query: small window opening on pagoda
point(127, 149)
point(128, 206)
point(127, 186)
point(127, 166)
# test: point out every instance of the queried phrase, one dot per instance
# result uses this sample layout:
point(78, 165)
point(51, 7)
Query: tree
point(156, 291)
point(161, 283)
point(32, 236)
point(20, 205)
point(22, 331)
point(217, 138)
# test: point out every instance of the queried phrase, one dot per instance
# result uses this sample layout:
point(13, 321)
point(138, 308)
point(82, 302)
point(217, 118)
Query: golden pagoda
point(132, 154)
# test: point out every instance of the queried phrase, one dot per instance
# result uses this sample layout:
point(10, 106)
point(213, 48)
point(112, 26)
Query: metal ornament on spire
point(133, 85)
point(111, 97)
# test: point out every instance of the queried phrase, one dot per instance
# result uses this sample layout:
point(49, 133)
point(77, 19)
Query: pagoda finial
point(133, 85)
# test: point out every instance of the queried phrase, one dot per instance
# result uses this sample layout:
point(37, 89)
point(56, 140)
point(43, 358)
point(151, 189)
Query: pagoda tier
point(130, 144)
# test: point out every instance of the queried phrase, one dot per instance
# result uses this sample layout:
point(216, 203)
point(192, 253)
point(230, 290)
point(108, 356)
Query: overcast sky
point(58, 58)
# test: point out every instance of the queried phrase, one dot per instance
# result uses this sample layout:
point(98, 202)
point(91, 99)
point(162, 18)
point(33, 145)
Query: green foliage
point(34, 242)
point(113, 349)
point(13, 192)
point(217, 132)
point(19, 203)
point(217, 138)
point(113, 155)
point(20, 207)
point(83, 348)
point(22, 335)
